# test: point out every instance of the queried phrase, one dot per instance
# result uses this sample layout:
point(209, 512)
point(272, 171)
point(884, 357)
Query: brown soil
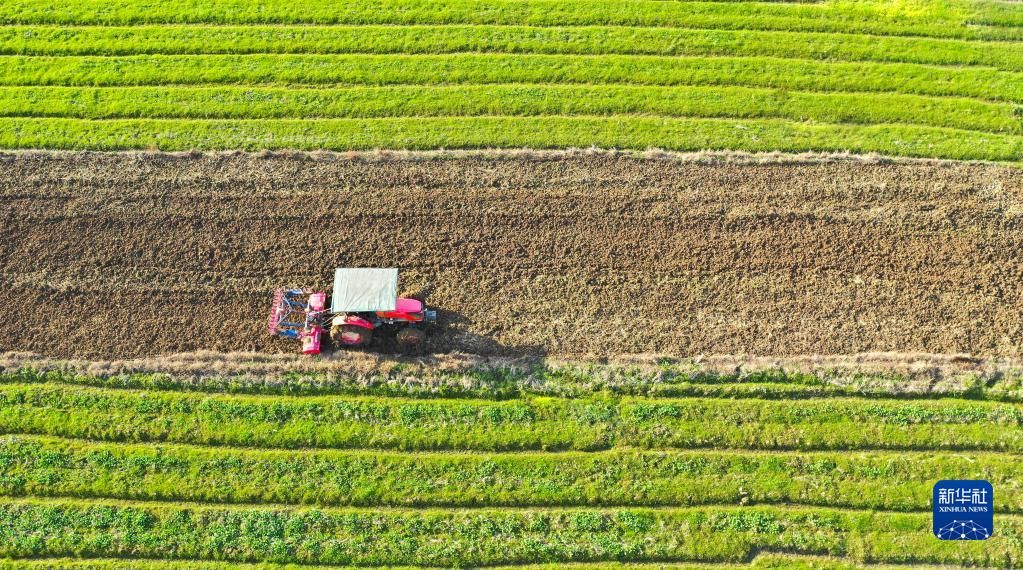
point(120, 255)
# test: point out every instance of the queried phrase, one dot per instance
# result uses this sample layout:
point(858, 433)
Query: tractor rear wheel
point(350, 335)
point(410, 338)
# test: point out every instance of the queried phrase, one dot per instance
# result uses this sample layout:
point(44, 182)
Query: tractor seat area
point(408, 305)
point(410, 310)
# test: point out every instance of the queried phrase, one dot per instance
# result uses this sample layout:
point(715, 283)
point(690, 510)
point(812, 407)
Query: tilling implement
point(362, 301)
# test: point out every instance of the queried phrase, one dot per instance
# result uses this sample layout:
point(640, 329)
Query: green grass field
point(582, 466)
point(760, 471)
point(922, 78)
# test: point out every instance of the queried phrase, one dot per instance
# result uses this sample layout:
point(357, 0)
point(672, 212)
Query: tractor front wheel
point(410, 338)
point(350, 335)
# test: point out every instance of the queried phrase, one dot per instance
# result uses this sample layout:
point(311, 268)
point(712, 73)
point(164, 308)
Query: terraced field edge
point(574, 467)
point(932, 79)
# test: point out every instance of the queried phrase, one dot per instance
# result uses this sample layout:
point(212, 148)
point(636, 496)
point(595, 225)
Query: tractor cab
point(364, 299)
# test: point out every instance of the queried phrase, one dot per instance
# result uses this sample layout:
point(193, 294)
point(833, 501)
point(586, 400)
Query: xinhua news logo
point(963, 510)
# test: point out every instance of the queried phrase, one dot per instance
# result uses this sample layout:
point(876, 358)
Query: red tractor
point(363, 300)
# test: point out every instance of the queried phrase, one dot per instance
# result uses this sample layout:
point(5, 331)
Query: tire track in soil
point(118, 255)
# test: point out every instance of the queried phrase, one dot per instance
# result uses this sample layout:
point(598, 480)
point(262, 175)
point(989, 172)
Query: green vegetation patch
point(588, 40)
point(927, 79)
point(762, 561)
point(762, 135)
point(507, 100)
point(503, 381)
point(528, 424)
point(899, 481)
point(594, 478)
point(947, 19)
point(479, 537)
point(470, 69)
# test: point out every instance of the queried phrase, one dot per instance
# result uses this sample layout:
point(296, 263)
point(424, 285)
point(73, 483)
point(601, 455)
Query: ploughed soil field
point(121, 255)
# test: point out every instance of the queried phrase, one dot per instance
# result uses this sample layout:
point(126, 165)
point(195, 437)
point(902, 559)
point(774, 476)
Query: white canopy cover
point(360, 289)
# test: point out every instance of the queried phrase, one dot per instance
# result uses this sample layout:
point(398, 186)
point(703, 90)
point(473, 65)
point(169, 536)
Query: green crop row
point(482, 537)
point(424, 133)
point(530, 423)
point(39, 40)
point(994, 13)
point(43, 466)
point(490, 68)
point(506, 100)
point(929, 18)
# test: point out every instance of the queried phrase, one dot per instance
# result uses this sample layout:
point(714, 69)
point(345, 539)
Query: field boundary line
point(618, 450)
point(301, 87)
point(825, 391)
point(8, 497)
point(959, 448)
point(739, 157)
point(605, 564)
point(198, 505)
point(624, 116)
point(411, 399)
point(751, 28)
point(524, 55)
point(567, 26)
point(627, 117)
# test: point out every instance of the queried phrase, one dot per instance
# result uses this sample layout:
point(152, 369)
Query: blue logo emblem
point(963, 510)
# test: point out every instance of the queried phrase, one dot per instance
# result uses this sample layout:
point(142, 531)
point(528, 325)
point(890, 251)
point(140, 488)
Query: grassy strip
point(930, 18)
point(995, 13)
point(502, 382)
point(485, 537)
point(762, 561)
point(755, 135)
point(142, 564)
point(563, 380)
point(41, 466)
point(489, 68)
point(506, 100)
point(528, 424)
point(449, 387)
point(47, 40)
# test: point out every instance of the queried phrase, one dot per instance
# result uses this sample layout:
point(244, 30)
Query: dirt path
point(105, 255)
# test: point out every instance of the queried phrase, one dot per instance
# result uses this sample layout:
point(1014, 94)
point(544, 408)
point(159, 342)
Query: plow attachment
point(297, 314)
